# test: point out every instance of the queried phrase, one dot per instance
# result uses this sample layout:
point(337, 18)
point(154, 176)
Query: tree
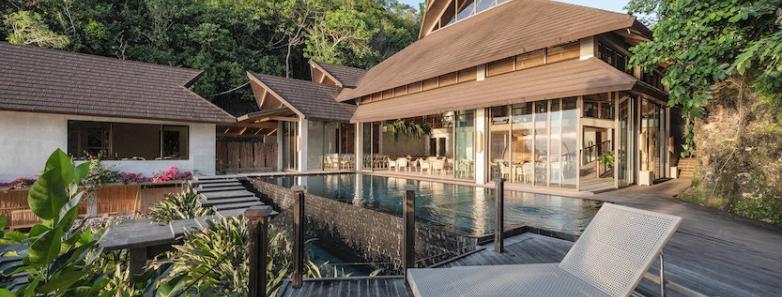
point(340, 36)
point(706, 42)
point(28, 28)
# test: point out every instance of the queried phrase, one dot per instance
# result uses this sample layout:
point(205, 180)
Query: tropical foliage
point(223, 38)
point(59, 253)
point(210, 264)
point(179, 206)
point(724, 69)
point(407, 128)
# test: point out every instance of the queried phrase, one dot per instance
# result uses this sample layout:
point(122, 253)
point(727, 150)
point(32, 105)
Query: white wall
point(27, 140)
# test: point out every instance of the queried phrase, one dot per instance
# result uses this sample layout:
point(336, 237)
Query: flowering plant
point(19, 182)
point(171, 174)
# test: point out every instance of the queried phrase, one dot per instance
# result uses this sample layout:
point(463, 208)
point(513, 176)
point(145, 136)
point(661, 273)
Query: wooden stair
point(687, 167)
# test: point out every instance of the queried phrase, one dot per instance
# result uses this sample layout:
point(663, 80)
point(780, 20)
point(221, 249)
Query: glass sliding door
point(569, 153)
point(290, 145)
point(464, 141)
point(522, 148)
point(499, 142)
point(555, 144)
point(347, 146)
point(650, 136)
point(624, 160)
point(541, 143)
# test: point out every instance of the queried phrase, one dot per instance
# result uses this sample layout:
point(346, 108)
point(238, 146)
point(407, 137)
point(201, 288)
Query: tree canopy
point(224, 38)
point(705, 42)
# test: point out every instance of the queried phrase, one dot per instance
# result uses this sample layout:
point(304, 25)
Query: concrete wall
point(27, 140)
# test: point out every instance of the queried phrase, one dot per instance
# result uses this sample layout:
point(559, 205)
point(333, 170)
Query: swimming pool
point(468, 209)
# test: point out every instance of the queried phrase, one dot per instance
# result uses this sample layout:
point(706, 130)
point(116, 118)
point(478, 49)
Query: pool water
point(468, 209)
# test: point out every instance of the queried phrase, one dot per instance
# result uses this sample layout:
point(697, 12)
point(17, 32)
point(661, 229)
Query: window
point(653, 77)
point(430, 84)
point(612, 57)
point(485, 4)
point(448, 79)
point(531, 59)
point(565, 52)
point(449, 15)
point(400, 91)
point(415, 87)
point(466, 9)
point(469, 74)
point(123, 141)
point(501, 66)
point(388, 94)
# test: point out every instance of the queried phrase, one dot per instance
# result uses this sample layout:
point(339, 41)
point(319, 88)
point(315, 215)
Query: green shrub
point(179, 206)
point(214, 262)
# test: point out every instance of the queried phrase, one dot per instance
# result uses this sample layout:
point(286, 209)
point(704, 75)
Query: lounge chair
point(608, 260)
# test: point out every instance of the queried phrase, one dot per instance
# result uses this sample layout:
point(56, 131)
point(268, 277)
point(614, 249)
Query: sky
point(614, 5)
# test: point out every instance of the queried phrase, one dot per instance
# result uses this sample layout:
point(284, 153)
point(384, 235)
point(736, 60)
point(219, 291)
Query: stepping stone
point(179, 227)
point(229, 201)
point(222, 207)
point(135, 235)
point(228, 194)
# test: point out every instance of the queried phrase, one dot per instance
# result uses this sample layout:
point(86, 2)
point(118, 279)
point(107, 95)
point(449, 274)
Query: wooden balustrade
point(408, 226)
point(298, 236)
point(258, 247)
point(499, 230)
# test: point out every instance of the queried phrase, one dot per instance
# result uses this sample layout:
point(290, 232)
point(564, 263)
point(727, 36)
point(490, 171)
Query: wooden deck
point(712, 253)
point(527, 248)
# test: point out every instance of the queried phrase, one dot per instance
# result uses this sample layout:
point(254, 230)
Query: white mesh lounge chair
point(608, 260)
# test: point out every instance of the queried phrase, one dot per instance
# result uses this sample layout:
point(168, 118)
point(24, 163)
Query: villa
point(139, 117)
point(537, 92)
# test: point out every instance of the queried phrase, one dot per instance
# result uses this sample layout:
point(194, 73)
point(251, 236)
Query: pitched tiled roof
point(53, 81)
point(311, 99)
point(564, 79)
point(509, 29)
point(348, 76)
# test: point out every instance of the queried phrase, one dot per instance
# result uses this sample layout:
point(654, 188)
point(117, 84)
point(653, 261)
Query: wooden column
point(499, 243)
point(298, 236)
point(258, 246)
point(408, 221)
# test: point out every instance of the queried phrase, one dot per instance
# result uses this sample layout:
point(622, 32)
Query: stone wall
point(372, 235)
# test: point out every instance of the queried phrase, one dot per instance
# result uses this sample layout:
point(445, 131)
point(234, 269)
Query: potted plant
point(607, 160)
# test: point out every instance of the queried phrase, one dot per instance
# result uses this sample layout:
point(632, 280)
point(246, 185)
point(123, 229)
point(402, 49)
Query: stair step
point(221, 189)
point(216, 181)
point(227, 194)
point(217, 184)
point(215, 202)
point(237, 205)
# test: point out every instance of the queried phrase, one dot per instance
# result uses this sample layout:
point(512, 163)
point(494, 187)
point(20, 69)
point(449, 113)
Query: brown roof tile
point(311, 99)
point(53, 81)
point(564, 79)
point(348, 76)
point(509, 29)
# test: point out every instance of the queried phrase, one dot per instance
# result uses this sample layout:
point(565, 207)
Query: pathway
point(734, 256)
